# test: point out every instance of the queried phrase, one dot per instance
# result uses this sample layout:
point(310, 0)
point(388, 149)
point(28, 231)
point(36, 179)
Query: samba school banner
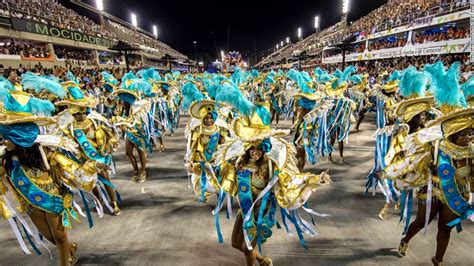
point(43, 29)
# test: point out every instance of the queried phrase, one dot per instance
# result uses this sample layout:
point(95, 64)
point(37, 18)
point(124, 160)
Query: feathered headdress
point(356, 79)
point(229, 93)
point(342, 77)
point(238, 77)
point(391, 83)
point(468, 90)
point(20, 107)
point(5, 87)
point(412, 83)
point(132, 88)
point(30, 81)
point(303, 83)
point(445, 86)
point(190, 94)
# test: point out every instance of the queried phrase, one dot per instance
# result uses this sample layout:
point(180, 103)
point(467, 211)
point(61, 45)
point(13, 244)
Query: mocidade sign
point(43, 29)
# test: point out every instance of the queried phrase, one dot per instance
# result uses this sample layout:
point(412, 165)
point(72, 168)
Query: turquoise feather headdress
point(238, 77)
point(30, 81)
point(394, 76)
point(229, 93)
point(412, 83)
point(322, 76)
point(300, 80)
point(5, 87)
point(70, 77)
point(190, 94)
point(107, 77)
point(356, 79)
point(468, 87)
point(342, 76)
point(445, 86)
point(150, 75)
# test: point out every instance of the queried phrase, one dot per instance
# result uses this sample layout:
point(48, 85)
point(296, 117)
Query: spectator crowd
point(390, 15)
point(23, 48)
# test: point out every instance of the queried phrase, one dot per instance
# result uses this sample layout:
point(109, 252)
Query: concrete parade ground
point(162, 222)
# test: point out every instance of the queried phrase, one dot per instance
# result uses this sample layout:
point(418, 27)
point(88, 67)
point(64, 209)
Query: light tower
point(99, 4)
point(134, 20)
point(155, 31)
point(316, 23)
point(300, 33)
point(345, 11)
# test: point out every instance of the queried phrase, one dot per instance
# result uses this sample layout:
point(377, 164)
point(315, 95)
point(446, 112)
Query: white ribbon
point(429, 195)
point(19, 236)
point(78, 208)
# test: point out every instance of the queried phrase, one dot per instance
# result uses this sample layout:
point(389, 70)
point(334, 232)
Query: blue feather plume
point(230, 94)
point(394, 76)
point(190, 94)
point(355, 79)
point(39, 84)
point(445, 84)
point(468, 87)
point(412, 83)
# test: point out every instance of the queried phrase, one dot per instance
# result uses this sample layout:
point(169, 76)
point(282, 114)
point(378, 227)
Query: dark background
point(261, 22)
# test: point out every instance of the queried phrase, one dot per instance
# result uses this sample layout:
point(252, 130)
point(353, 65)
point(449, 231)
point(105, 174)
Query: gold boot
point(116, 208)
point(135, 176)
point(73, 255)
point(397, 206)
point(162, 147)
point(142, 177)
point(384, 212)
point(266, 262)
point(403, 248)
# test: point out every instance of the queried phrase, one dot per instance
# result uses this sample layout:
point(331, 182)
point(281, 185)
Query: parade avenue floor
point(162, 223)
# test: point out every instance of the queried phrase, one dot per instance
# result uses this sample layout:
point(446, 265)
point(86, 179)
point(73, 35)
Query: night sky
point(263, 21)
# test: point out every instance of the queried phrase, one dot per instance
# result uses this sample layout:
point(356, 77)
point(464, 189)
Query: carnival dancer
point(304, 102)
point(37, 179)
point(96, 140)
point(108, 84)
point(439, 160)
point(358, 92)
point(385, 102)
point(203, 138)
point(133, 118)
point(341, 116)
point(411, 115)
point(259, 168)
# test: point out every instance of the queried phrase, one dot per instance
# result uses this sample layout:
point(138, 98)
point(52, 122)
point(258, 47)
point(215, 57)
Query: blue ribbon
point(88, 149)
point(88, 211)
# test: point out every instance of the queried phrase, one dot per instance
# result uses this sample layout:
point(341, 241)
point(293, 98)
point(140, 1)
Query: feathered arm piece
point(39, 84)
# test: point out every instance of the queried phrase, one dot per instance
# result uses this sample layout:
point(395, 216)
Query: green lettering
point(55, 32)
point(65, 34)
point(41, 29)
point(77, 36)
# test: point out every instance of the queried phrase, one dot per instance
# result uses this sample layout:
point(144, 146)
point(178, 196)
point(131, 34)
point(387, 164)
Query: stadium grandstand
point(406, 30)
point(49, 33)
